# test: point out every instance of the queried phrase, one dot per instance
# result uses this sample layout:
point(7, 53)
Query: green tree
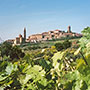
point(64, 45)
point(14, 52)
point(86, 37)
point(5, 49)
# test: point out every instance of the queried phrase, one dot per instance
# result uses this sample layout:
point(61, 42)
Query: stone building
point(56, 34)
point(10, 41)
point(18, 40)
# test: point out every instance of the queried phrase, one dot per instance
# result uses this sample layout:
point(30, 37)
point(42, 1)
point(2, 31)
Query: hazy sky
point(42, 15)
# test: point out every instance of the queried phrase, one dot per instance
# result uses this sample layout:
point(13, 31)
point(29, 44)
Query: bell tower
point(69, 29)
point(25, 33)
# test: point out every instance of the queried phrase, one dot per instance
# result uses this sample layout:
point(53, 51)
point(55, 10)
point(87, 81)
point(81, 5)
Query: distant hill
point(1, 40)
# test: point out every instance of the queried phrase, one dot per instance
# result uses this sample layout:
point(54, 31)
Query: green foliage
point(59, 46)
point(64, 45)
point(85, 40)
point(12, 52)
point(9, 76)
point(79, 79)
point(46, 69)
point(34, 47)
point(5, 49)
point(16, 53)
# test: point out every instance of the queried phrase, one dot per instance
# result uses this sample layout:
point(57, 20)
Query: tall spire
point(25, 33)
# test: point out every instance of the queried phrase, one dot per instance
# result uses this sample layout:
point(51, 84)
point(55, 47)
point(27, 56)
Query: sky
point(42, 15)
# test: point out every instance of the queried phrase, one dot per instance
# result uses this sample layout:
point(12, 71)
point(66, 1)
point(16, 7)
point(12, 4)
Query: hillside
point(1, 40)
point(45, 44)
point(60, 66)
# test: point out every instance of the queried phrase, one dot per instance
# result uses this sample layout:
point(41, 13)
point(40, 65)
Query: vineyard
point(62, 66)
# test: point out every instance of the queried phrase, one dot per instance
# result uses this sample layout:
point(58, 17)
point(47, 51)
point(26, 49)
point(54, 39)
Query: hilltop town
point(50, 35)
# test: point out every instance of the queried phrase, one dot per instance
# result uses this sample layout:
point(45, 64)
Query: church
point(18, 40)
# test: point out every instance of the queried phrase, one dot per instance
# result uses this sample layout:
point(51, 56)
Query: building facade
point(50, 35)
point(56, 34)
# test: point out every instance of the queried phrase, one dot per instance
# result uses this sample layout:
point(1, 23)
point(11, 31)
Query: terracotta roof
point(33, 38)
point(51, 31)
point(20, 35)
point(45, 33)
point(36, 34)
point(57, 30)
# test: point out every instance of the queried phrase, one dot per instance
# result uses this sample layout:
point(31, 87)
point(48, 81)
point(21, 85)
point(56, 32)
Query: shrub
point(34, 47)
point(59, 46)
point(64, 45)
point(14, 52)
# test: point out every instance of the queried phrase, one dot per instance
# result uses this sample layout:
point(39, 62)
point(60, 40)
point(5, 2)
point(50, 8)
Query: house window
point(67, 35)
point(52, 36)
